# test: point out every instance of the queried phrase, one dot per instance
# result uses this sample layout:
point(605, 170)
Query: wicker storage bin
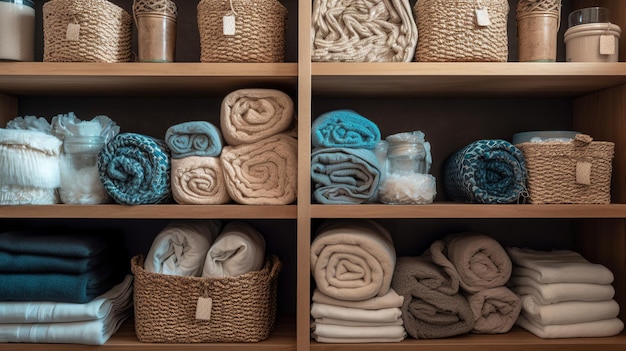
point(243, 308)
point(449, 30)
point(259, 31)
point(576, 172)
point(86, 31)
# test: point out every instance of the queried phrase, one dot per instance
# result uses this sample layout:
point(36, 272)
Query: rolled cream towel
point(237, 250)
point(198, 180)
point(250, 115)
point(559, 292)
point(352, 259)
point(262, 173)
point(181, 247)
point(568, 312)
point(29, 158)
point(495, 310)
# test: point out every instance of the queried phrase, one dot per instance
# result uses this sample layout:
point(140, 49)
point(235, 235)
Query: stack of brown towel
point(352, 262)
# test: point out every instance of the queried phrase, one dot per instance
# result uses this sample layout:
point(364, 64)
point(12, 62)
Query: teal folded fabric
point(344, 128)
point(62, 242)
point(344, 175)
point(194, 138)
point(10, 262)
point(135, 169)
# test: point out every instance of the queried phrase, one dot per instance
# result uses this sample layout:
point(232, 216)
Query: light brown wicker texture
point(576, 172)
point(102, 31)
point(243, 308)
point(260, 27)
point(363, 31)
point(448, 31)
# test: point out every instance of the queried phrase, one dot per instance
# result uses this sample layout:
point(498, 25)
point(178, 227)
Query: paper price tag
point(203, 308)
point(607, 45)
point(229, 24)
point(73, 31)
point(482, 17)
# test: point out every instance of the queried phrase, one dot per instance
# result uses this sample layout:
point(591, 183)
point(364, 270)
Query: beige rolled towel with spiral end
point(198, 180)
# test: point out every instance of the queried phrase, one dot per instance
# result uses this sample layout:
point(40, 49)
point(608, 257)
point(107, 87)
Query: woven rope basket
point(86, 31)
point(260, 27)
point(449, 32)
point(576, 172)
point(243, 307)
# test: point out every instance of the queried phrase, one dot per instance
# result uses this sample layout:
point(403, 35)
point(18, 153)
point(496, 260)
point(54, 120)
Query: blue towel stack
point(344, 167)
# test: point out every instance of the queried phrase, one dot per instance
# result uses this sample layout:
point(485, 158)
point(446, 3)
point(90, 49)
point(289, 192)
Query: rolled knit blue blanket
point(135, 169)
point(344, 128)
point(344, 175)
point(194, 138)
point(486, 171)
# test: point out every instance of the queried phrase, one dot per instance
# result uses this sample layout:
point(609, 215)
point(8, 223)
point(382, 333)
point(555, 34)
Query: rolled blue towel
point(135, 169)
point(194, 138)
point(344, 128)
point(486, 171)
point(344, 175)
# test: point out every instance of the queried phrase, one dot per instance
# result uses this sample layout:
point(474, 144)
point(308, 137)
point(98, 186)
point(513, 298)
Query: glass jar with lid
point(80, 180)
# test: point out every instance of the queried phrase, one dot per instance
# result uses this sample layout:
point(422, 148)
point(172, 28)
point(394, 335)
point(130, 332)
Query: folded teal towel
point(22, 263)
point(135, 169)
point(63, 242)
point(344, 175)
point(195, 138)
point(344, 128)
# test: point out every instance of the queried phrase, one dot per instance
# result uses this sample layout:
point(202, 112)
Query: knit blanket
point(27, 195)
point(495, 310)
point(433, 307)
point(194, 138)
point(363, 31)
point(262, 173)
point(344, 175)
point(198, 180)
point(352, 259)
point(485, 171)
point(344, 128)
point(135, 169)
point(250, 115)
point(180, 248)
point(237, 250)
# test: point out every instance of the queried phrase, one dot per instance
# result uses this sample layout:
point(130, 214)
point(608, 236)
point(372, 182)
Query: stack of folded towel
point(260, 158)
point(62, 286)
point(563, 294)
point(352, 262)
point(202, 248)
point(344, 167)
point(197, 173)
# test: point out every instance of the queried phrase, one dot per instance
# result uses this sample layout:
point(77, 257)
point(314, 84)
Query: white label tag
point(583, 172)
point(73, 31)
point(203, 308)
point(607, 45)
point(482, 17)
point(229, 25)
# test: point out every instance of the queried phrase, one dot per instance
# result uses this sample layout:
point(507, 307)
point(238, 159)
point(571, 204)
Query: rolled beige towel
point(262, 173)
point(198, 180)
point(249, 115)
point(495, 310)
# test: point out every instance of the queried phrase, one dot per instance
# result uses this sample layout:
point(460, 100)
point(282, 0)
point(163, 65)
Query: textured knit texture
point(194, 138)
point(344, 128)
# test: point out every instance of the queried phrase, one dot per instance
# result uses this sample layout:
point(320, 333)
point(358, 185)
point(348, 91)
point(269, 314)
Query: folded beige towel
point(559, 292)
point(237, 250)
point(350, 323)
point(262, 173)
point(558, 266)
point(568, 312)
point(357, 340)
point(198, 180)
point(249, 115)
point(495, 310)
point(389, 300)
point(601, 328)
point(478, 260)
point(385, 315)
point(352, 259)
point(341, 331)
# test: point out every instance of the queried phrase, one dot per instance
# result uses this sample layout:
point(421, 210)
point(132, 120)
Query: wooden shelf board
point(142, 79)
point(174, 211)
point(464, 79)
point(460, 210)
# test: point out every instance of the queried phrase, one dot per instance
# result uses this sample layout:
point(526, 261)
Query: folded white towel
point(357, 340)
point(181, 247)
point(559, 292)
point(348, 323)
point(558, 266)
point(569, 312)
point(389, 300)
point(237, 250)
point(385, 315)
point(58, 312)
point(341, 331)
point(601, 328)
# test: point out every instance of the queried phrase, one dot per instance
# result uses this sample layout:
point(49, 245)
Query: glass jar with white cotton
point(80, 180)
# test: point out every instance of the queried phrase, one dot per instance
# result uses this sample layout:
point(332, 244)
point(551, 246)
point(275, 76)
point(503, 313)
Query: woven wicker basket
point(243, 307)
point(260, 27)
point(86, 31)
point(576, 172)
point(449, 31)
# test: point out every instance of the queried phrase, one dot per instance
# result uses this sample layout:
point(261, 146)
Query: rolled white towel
point(238, 249)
